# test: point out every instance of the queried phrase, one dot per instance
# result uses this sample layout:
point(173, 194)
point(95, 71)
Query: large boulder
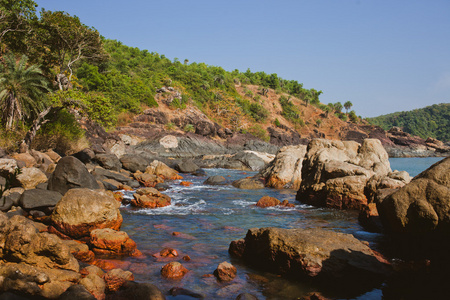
point(160, 169)
point(422, 206)
point(248, 184)
point(108, 161)
point(186, 166)
point(71, 173)
point(134, 162)
point(112, 243)
point(82, 210)
point(328, 257)
point(335, 173)
point(150, 198)
point(285, 171)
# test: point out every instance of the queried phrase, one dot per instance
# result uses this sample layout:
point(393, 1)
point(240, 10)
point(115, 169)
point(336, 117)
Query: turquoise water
point(413, 165)
point(208, 218)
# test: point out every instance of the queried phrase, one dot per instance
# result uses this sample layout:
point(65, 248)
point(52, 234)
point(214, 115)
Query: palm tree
point(348, 105)
point(21, 89)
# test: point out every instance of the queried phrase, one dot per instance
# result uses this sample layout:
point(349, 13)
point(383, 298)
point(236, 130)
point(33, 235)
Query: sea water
point(208, 218)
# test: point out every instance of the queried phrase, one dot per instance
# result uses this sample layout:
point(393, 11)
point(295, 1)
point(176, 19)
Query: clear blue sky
point(383, 56)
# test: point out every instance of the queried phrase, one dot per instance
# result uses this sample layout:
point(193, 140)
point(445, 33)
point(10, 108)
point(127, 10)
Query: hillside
point(431, 121)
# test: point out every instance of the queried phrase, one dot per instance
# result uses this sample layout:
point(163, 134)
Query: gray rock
point(246, 296)
point(108, 161)
point(98, 171)
point(5, 203)
point(15, 198)
point(85, 155)
point(248, 184)
point(134, 162)
point(216, 180)
point(141, 291)
point(187, 166)
point(71, 173)
point(76, 292)
point(35, 199)
point(250, 160)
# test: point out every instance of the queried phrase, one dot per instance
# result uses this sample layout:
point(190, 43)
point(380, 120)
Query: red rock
point(118, 196)
point(286, 203)
point(148, 180)
point(267, 201)
point(186, 183)
point(168, 252)
point(225, 271)
point(186, 258)
point(112, 243)
point(115, 278)
point(207, 275)
point(150, 198)
point(109, 264)
point(173, 270)
point(92, 270)
point(176, 233)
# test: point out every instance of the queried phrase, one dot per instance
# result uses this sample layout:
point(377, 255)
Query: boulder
point(160, 169)
point(116, 278)
point(5, 203)
point(82, 210)
point(7, 166)
point(55, 157)
point(71, 173)
point(248, 184)
point(25, 158)
point(216, 180)
point(250, 159)
point(422, 206)
point(267, 201)
point(141, 291)
point(134, 162)
point(108, 161)
point(147, 180)
point(150, 198)
point(328, 257)
point(77, 291)
point(86, 155)
point(39, 199)
point(285, 171)
point(173, 270)
point(112, 243)
point(335, 173)
point(101, 173)
point(186, 166)
point(95, 285)
point(225, 271)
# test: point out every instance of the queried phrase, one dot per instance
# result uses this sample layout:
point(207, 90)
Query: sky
point(383, 56)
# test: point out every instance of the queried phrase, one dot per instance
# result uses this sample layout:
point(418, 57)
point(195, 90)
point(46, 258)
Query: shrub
point(170, 126)
point(277, 123)
point(258, 112)
point(189, 128)
point(258, 131)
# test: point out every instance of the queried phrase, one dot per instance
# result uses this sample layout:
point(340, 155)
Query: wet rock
point(112, 243)
point(141, 291)
point(225, 271)
point(39, 199)
point(108, 161)
point(173, 270)
point(216, 180)
point(186, 183)
point(29, 178)
point(168, 252)
point(420, 207)
point(187, 166)
point(71, 173)
point(246, 296)
point(267, 201)
point(148, 180)
point(78, 292)
point(82, 210)
point(150, 198)
point(177, 291)
point(286, 169)
point(199, 173)
point(162, 186)
point(160, 169)
point(248, 184)
point(116, 278)
point(95, 285)
point(328, 257)
point(134, 162)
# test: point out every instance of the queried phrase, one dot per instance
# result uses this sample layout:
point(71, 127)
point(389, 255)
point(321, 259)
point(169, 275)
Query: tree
point(348, 105)
point(15, 19)
point(69, 41)
point(21, 89)
point(338, 107)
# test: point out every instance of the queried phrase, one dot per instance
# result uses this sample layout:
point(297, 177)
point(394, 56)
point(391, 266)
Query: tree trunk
point(31, 134)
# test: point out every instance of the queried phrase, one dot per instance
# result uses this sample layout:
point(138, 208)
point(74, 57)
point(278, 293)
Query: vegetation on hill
point(103, 79)
point(431, 121)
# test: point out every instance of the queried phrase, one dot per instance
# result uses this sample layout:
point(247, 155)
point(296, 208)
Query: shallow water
point(208, 218)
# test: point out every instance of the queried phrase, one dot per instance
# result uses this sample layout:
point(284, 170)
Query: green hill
point(431, 121)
